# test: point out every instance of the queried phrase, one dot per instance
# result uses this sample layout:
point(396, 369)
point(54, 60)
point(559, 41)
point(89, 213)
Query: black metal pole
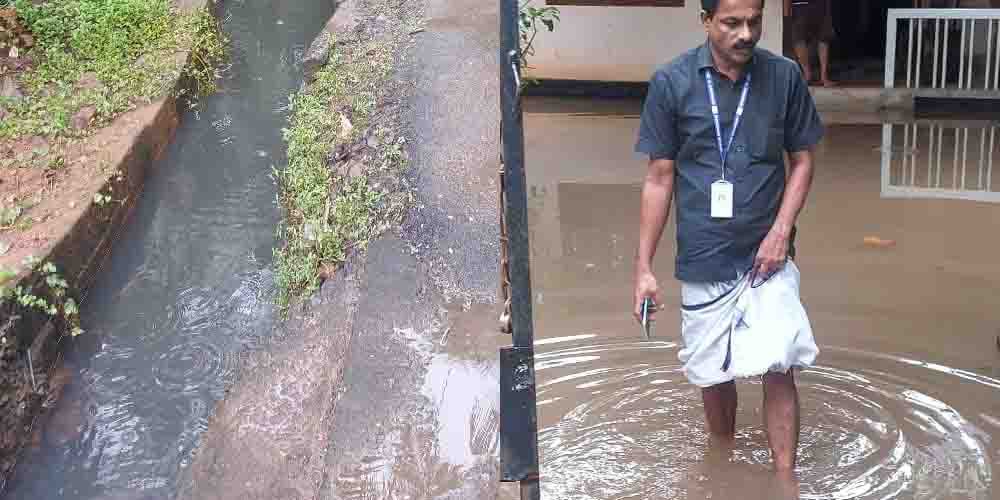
point(516, 193)
point(518, 413)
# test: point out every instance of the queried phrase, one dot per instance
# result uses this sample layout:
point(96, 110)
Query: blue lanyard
point(724, 150)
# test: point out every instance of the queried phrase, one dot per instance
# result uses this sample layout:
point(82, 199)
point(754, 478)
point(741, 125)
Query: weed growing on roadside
point(208, 51)
point(43, 157)
point(101, 199)
point(12, 216)
point(9, 216)
point(51, 300)
point(112, 55)
point(328, 213)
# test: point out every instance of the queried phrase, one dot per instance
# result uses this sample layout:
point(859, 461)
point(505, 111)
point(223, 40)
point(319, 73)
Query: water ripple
point(186, 367)
point(619, 420)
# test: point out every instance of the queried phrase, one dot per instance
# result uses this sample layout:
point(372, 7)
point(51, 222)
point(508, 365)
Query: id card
point(722, 199)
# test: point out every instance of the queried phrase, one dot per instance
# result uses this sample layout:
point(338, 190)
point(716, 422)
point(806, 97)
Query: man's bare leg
point(720, 411)
point(802, 54)
point(787, 485)
point(781, 419)
point(824, 64)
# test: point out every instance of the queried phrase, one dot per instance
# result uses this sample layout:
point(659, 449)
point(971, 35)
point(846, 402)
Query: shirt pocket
point(767, 149)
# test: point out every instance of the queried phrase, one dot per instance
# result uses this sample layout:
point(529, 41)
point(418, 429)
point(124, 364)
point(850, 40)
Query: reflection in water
point(444, 439)
point(910, 411)
point(187, 290)
point(940, 159)
point(630, 427)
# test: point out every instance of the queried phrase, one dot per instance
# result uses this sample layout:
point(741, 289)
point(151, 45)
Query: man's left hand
point(772, 253)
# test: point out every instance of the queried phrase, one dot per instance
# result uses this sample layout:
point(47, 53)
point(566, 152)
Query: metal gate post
point(518, 411)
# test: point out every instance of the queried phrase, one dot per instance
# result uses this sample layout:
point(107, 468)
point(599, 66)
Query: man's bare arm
point(797, 189)
point(657, 193)
point(774, 249)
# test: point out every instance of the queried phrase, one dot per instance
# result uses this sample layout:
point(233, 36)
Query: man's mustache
point(744, 46)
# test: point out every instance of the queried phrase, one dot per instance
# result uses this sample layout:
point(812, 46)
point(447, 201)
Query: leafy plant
point(319, 230)
point(12, 216)
point(9, 216)
point(56, 162)
point(208, 52)
point(327, 212)
point(531, 19)
point(112, 55)
point(53, 300)
point(102, 199)
point(42, 157)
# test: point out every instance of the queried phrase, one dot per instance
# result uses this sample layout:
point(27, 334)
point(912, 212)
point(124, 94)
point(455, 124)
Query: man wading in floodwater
point(716, 123)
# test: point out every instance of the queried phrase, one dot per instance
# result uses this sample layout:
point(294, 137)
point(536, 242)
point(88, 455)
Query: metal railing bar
point(920, 50)
point(961, 61)
point(940, 147)
point(909, 58)
point(965, 154)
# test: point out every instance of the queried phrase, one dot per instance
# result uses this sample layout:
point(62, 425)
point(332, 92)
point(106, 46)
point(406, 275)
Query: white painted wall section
point(627, 43)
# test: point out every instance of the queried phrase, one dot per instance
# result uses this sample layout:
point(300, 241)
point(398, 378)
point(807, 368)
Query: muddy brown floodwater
point(899, 277)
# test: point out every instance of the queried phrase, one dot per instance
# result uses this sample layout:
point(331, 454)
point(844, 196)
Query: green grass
point(130, 45)
point(326, 213)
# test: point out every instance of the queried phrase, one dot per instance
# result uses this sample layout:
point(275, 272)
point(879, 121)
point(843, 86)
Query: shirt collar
point(704, 57)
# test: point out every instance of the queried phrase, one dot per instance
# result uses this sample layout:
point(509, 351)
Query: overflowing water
point(897, 248)
point(188, 288)
point(899, 279)
point(874, 426)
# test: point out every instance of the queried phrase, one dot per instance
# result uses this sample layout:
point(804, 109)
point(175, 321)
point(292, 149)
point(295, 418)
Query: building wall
point(627, 43)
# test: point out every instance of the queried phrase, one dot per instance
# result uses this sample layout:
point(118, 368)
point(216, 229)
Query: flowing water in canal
point(902, 289)
point(188, 287)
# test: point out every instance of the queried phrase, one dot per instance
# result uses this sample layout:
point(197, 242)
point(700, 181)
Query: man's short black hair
point(710, 6)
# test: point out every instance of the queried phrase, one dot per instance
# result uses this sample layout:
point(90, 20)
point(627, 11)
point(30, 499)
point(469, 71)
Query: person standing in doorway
point(812, 20)
point(716, 124)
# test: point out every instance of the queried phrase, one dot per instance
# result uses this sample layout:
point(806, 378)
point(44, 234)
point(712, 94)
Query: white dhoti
point(732, 329)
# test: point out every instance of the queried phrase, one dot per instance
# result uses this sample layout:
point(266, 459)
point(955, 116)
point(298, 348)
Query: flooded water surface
point(188, 287)
point(418, 417)
point(897, 248)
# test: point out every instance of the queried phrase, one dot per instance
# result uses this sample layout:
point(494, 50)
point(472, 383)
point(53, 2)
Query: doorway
point(857, 55)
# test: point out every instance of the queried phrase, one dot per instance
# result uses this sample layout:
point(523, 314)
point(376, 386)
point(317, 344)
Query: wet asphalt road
point(418, 414)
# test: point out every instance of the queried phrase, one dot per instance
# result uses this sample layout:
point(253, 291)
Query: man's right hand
point(645, 286)
point(657, 193)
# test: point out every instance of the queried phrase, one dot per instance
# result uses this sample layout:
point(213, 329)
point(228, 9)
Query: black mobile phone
point(647, 303)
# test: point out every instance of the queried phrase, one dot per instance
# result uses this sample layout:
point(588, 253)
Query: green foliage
point(43, 157)
point(328, 213)
point(102, 35)
point(208, 51)
point(318, 230)
point(12, 216)
point(128, 45)
point(51, 300)
point(102, 199)
point(531, 18)
point(9, 216)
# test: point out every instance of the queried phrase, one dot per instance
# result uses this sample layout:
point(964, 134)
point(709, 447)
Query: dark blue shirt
point(677, 125)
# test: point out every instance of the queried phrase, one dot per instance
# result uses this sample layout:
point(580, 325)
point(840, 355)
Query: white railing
point(946, 49)
point(940, 159)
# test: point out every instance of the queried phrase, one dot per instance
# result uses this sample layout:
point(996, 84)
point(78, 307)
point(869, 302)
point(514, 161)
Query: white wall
point(627, 43)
